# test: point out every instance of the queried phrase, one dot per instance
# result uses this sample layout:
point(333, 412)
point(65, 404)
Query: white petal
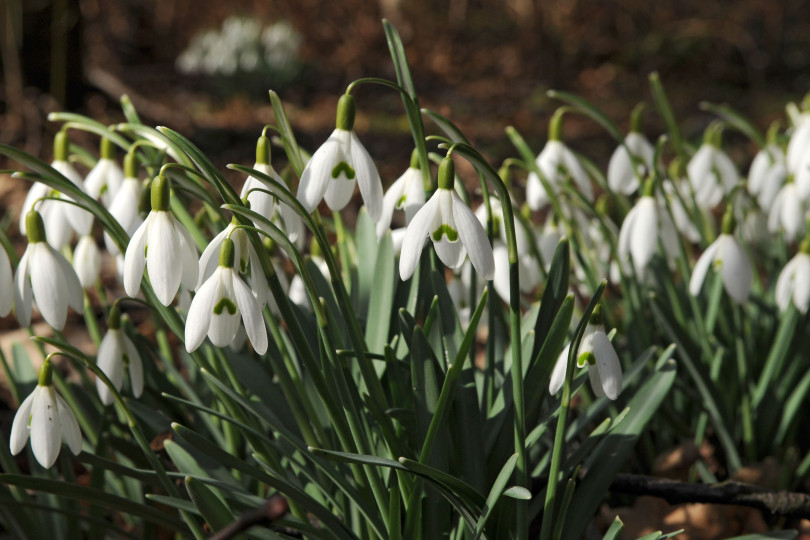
point(644, 240)
point(608, 366)
point(735, 269)
point(578, 173)
point(110, 361)
point(415, 237)
point(368, 179)
point(135, 367)
point(19, 428)
point(251, 315)
point(729, 176)
point(49, 284)
point(620, 175)
point(209, 260)
point(475, 240)
point(37, 191)
point(786, 283)
point(163, 257)
point(596, 383)
point(536, 195)
point(69, 425)
point(223, 325)
point(702, 266)
point(389, 204)
point(338, 193)
point(501, 277)
point(87, 261)
point(46, 429)
point(6, 284)
point(558, 374)
point(318, 173)
point(188, 250)
point(135, 258)
point(200, 312)
point(799, 142)
point(23, 295)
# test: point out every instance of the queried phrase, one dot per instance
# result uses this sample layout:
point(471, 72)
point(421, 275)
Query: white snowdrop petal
point(702, 266)
point(251, 315)
point(87, 261)
point(729, 176)
point(596, 383)
point(224, 324)
point(389, 204)
point(416, 236)
point(110, 362)
point(620, 175)
point(338, 193)
point(188, 251)
point(209, 259)
point(163, 258)
point(607, 363)
point(501, 278)
point(785, 284)
point(451, 254)
point(199, 314)
point(558, 373)
point(135, 258)
point(578, 173)
point(474, 238)
point(6, 284)
point(73, 287)
point(368, 179)
point(735, 269)
point(135, 367)
point(19, 428)
point(644, 239)
point(49, 285)
point(46, 430)
point(536, 195)
point(801, 282)
point(69, 425)
point(318, 173)
point(23, 295)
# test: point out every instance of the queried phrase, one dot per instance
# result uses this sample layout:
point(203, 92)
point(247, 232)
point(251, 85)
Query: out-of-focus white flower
point(407, 193)
point(597, 353)
point(264, 204)
point(125, 208)
point(622, 176)
point(104, 179)
point(452, 227)
point(219, 305)
point(87, 261)
point(60, 219)
point(797, 150)
point(44, 275)
point(711, 171)
point(729, 258)
point(647, 223)
point(680, 216)
point(115, 353)
point(163, 247)
point(6, 284)
point(767, 174)
point(556, 162)
point(337, 164)
point(46, 417)
point(787, 212)
point(794, 281)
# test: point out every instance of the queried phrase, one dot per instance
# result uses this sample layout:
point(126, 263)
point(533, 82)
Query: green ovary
point(345, 169)
point(225, 303)
point(445, 230)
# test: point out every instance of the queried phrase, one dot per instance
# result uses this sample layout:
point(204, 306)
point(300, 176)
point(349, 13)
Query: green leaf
point(588, 109)
point(381, 298)
point(788, 534)
point(610, 455)
point(210, 506)
point(518, 492)
point(665, 111)
point(613, 531)
point(287, 135)
point(95, 497)
point(735, 119)
point(495, 493)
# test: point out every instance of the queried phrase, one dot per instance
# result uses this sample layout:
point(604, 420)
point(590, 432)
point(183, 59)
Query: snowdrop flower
point(105, 177)
point(555, 161)
point(44, 275)
point(787, 212)
point(6, 284)
point(647, 223)
point(246, 260)
point(728, 257)
point(334, 167)
point(675, 193)
point(263, 203)
point(116, 352)
point(47, 418)
point(220, 303)
point(163, 247)
point(60, 219)
point(711, 171)
point(794, 281)
point(797, 154)
point(125, 206)
point(767, 174)
point(597, 353)
point(87, 261)
point(453, 228)
point(631, 160)
point(407, 193)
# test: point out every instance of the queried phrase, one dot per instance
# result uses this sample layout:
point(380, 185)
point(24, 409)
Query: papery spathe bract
point(331, 172)
point(46, 417)
point(44, 275)
point(452, 227)
point(163, 247)
point(115, 353)
point(793, 283)
point(219, 305)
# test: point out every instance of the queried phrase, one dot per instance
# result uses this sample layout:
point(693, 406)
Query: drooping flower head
point(335, 167)
point(128, 203)
point(46, 417)
point(729, 258)
point(711, 171)
point(407, 193)
point(556, 162)
point(116, 353)
point(453, 228)
point(263, 203)
point(631, 160)
point(793, 284)
point(163, 247)
point(44, 275)
point(595, 352)
point(219, 305)
point(104, 179)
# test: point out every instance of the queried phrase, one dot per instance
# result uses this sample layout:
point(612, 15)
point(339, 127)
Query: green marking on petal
point(225, 303)
point(345, 169)
point(445, 230)
point(125, 359)
point(401, 201)
point(586, 358)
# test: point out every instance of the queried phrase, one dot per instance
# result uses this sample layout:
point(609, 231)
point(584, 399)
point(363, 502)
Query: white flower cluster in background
point(242, 45)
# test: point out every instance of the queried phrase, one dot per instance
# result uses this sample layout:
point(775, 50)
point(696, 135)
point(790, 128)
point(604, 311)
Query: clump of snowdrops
point(259, 366)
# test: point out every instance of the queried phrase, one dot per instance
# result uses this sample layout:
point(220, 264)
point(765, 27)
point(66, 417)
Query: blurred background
point(204, 67)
